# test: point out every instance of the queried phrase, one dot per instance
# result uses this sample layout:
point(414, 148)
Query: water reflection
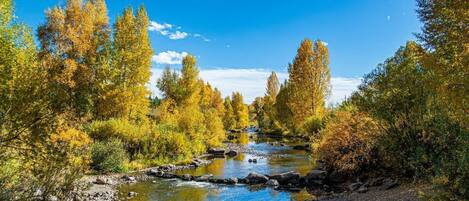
point(271, 157)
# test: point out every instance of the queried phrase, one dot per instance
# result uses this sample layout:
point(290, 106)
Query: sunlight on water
point(272, 158)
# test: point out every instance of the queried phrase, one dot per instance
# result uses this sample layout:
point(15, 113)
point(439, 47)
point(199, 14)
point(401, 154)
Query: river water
point(271, 158)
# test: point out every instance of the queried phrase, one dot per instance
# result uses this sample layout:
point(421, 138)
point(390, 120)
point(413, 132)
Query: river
point(272, 155)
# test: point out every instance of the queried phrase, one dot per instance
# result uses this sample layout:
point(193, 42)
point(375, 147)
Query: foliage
point(130, 134)
point(75, 51)
point(349, 142)
point(446, 35)
point(108, 156)
point(309, 79)
point(240, 110)
point(229, 120)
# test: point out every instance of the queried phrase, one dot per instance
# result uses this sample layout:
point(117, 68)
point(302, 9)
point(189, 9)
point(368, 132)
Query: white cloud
point(178, 35)
point(161, 28)
point(252, 82)
point(201, 37)
point(324, 43)
point(389, 17)
point(169, 57)
point(173, 32)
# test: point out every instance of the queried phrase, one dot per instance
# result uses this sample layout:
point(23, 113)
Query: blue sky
point(263, 35)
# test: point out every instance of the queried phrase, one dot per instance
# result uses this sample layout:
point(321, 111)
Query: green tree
point(446, 35)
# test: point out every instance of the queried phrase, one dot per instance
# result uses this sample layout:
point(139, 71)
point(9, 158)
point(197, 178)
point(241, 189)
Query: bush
point(130, 134)
point(313, 125)
point(108, 156)
point(349, 142)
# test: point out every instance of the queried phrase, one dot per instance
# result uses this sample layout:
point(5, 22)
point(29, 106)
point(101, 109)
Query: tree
point(168, 83)
point(75, 49)
point(309, 79)
point(240, 110)
point(446, 35)
point(37, 151)
point(283, 112)
point(229, 120)
point(188, 83)
point(131, 62)
point(273, 86)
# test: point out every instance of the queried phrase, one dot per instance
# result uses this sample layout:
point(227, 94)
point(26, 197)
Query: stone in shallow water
point(256, 178)
point(272, 182)
point(287, 177)
point(232, 180)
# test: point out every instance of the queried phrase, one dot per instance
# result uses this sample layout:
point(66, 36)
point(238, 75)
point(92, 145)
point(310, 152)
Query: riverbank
point(255, 156)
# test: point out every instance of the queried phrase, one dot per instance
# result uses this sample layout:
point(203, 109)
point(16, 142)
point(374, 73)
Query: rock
point(152, 172)
point(216, 152)
point(315, 177)
point(186, 177)
point(272, 182)
point(166, 168)
point(389, 183)
point(256, 178)
point(283, 144)
point(355, 186)
point(168, 175)
point(132, 194)
point(129, 179)
point(287, 177)
point(231, 153)
point(217, 181)
point(316, 174)
point(362, 189)
point(232, 180)
point(100, 181)
point(204, 178)
point(242, 180)
point(376, 181)
point(336, 177)
point(299, 147)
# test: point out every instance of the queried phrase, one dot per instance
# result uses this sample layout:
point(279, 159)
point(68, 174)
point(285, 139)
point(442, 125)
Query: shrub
point(108, 156)
point(129, 133)
point(348, 143)
point(313, 125)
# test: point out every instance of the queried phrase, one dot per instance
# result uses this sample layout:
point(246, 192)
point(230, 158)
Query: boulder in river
point(232, 180)
point(256, 178)
point(231, 153)
point(272, 182)
point(186, 177)
point(287, 177)
point(203, 178)
point(216, 152)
